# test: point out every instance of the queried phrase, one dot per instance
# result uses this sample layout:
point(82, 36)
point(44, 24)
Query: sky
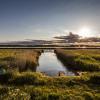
point(44, 19)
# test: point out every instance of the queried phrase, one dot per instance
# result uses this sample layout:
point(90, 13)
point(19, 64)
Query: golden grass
point(12, 58)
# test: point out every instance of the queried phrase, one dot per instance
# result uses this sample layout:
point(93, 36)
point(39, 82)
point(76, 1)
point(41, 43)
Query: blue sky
point(43, 19)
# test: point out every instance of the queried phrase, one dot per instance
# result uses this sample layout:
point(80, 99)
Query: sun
point(85, 32)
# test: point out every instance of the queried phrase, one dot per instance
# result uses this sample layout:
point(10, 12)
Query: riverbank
point(80, 60)
point(19, 59)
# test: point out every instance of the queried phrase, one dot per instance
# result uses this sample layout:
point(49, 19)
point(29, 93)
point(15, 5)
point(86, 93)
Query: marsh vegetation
point(24, 84)
point(19, 59)
point(80, 60)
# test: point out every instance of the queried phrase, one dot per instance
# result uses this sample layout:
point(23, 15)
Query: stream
point(50, 65)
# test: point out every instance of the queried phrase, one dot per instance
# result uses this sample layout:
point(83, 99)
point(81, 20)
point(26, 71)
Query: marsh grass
point(27, 85)
point(20, 59)
point(36, 86)
point(84, 60)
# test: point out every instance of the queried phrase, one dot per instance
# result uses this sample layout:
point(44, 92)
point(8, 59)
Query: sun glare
point(85, 32)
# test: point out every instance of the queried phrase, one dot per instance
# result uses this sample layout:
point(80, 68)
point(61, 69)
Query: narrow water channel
point(50, 65)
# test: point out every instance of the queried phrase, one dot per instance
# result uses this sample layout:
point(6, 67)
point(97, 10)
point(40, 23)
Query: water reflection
point(50, 65)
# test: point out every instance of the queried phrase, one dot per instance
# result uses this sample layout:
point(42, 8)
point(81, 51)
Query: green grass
point(35, 86)
point(83, 60)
